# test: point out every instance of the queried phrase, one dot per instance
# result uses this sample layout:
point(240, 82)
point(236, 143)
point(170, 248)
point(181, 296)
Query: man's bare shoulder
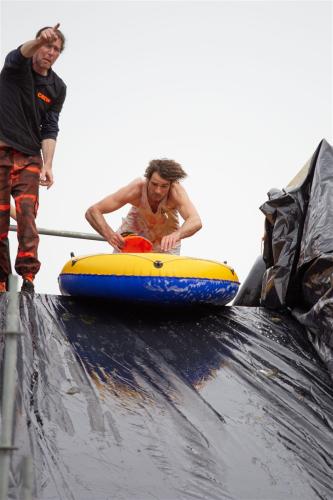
point(138, 182)
point(134, 189)
point(177, 194)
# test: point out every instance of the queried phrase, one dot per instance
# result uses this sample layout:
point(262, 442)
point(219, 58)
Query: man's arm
point(49, 133)
point(192, 222)
point(95, 214)
point(47, 36)
point(46, 175)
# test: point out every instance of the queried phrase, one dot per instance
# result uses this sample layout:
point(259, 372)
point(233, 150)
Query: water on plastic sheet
point(210, 403)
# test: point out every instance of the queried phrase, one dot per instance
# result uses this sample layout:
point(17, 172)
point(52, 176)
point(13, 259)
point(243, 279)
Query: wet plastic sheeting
point(249, 293)
point(298, 251)
point(218, 403)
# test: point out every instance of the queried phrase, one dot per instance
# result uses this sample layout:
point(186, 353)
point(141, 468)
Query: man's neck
point(40, 71)
point(153, 206)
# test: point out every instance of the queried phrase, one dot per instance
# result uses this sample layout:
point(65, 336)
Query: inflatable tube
point(149, 277)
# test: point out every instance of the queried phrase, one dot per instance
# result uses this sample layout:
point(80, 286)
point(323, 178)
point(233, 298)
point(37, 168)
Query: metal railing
point(65, 234)
point(8, 386)
point(10, 375)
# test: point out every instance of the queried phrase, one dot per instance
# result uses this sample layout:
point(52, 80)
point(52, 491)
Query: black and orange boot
point(28, 284)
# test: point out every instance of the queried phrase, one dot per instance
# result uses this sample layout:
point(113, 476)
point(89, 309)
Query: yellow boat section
point(149, 264)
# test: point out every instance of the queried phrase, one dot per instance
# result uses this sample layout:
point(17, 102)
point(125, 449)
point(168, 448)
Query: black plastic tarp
point(298, 251)
point(213, 403)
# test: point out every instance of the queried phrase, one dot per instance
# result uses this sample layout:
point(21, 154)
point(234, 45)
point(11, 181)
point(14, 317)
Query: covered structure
point(298, 250)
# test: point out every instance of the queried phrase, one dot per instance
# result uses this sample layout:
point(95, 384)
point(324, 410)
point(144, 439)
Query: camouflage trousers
point(19, 178)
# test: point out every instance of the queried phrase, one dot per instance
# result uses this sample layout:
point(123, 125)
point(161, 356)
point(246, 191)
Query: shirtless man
point(156, 202)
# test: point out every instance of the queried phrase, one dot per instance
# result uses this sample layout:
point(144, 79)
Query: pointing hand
point(49, 35)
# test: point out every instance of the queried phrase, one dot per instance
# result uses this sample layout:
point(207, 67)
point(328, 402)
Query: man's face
point(46, 56)
point(158, 187)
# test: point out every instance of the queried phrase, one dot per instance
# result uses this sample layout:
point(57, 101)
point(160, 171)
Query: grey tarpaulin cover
point(118, 403)
point(298, 250)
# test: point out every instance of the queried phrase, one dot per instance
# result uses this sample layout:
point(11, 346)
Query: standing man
point(156, 202)
point(31, 98)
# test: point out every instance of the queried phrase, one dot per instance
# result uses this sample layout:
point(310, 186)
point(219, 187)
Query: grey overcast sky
point(240, 93)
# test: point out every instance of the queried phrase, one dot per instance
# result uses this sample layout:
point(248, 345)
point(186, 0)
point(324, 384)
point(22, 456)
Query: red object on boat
point(136, 244)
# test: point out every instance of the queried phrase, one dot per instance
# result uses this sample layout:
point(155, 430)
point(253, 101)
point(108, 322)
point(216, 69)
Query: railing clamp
point(8, 448)
point(9, 333)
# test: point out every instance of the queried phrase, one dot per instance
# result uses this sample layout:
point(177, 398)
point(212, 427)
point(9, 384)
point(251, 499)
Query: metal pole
point(8, 386)
point(65, 234)
point(27, 479)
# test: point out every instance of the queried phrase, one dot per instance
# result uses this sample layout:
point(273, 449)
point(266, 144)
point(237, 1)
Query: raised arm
point(192, 222)
point(95, 214)
point(48, 35)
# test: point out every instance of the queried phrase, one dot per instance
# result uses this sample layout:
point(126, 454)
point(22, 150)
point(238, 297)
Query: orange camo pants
point(19, 177)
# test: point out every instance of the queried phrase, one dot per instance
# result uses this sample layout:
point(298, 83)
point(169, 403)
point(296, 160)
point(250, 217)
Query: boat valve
point(74, 261)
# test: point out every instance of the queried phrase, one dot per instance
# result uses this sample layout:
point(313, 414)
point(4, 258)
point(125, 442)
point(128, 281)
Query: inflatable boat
point(149, 278)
